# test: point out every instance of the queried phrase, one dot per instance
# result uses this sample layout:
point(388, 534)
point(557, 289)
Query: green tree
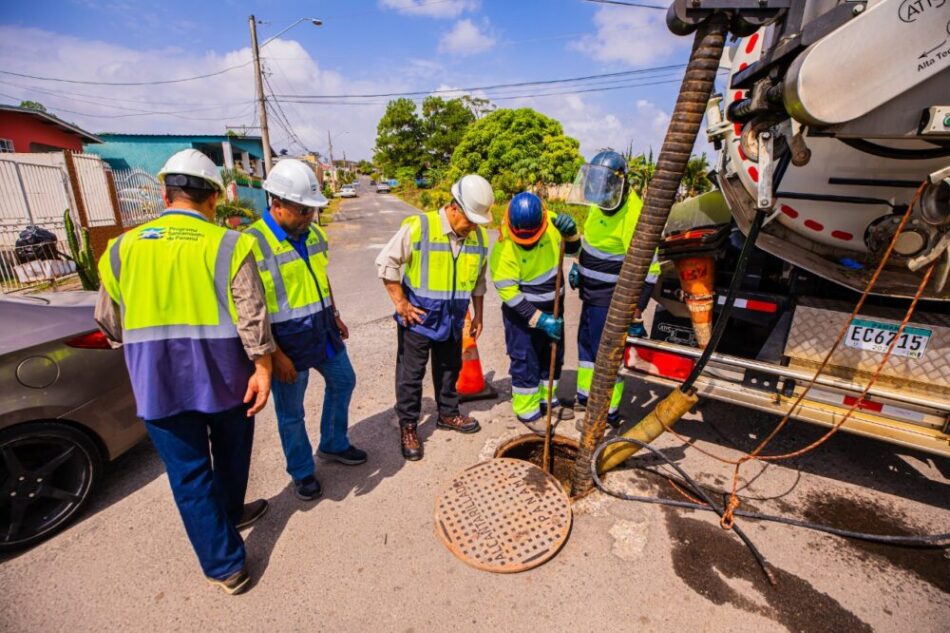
point(695, 178)
point(364, 167)
point(399, 138)
point(640, 170)
point(516, 149)
point(477, 106)
point(444, 124)
point(33, 105)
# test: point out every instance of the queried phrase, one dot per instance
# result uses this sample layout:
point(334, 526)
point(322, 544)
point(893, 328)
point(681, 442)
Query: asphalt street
point(366, 558)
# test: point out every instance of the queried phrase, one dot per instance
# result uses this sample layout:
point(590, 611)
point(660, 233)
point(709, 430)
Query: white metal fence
point(140, 196)
point(91, 172)
point(30, 266)
point(32, 193)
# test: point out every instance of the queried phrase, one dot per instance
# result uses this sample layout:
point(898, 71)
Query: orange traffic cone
point(471, 384)
point(697, 276)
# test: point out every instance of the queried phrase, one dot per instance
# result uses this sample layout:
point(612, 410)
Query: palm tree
point(695, 178)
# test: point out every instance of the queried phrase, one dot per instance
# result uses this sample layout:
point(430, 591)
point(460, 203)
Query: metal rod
point(558, 281)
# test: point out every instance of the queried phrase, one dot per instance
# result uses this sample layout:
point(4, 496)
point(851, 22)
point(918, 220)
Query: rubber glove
point(554, 328)
point(574, 276)
point(637, 329)
point(565, 225)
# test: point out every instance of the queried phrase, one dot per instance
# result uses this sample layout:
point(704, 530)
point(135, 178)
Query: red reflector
point(665, 364)
point(93, 340)
point(760, 306)
point(866, 405)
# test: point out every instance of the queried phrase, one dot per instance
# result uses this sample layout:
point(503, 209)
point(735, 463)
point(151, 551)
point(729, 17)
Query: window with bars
point(6, 145)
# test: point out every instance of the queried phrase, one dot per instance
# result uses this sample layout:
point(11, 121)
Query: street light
point(258, 80)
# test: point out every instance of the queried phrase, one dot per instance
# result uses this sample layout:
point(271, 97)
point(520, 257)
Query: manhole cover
point(503, 515)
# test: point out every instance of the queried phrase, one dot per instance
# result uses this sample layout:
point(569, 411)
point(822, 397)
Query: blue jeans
point(288, 402)
point(207, 457)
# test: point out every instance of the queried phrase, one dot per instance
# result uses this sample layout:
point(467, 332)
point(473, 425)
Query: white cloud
point(196, 107)
point(466, 38)
point(596, 128)
point(431, 8)
point(630, 36)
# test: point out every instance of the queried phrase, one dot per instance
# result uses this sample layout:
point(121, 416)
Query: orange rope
point(733, 503)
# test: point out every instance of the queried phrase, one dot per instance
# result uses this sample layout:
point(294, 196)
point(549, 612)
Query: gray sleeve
point(251, 304)
point(107, 318)
point(395, 255)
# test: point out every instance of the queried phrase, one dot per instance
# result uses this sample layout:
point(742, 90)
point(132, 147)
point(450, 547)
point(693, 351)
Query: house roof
point(215, 137)
point(49, 118)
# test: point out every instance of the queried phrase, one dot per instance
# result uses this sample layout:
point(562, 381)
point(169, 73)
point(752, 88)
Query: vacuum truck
point(833, 122)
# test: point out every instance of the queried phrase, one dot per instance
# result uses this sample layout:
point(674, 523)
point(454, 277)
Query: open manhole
point(530, 448)
point(503, 515)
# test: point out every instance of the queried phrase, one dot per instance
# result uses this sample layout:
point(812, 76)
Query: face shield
point(598, 185)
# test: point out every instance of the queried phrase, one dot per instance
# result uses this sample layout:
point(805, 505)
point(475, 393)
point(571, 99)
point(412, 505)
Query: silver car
point(66, 408)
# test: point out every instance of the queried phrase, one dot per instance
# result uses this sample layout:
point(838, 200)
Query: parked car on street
point(348, 192)
point(382, 187)
point(66, 408)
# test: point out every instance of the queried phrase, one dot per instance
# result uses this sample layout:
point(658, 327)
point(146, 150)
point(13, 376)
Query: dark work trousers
point(207, 457)
point(412, 356)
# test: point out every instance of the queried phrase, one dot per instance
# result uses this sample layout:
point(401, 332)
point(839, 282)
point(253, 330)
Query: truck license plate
point(876, 337)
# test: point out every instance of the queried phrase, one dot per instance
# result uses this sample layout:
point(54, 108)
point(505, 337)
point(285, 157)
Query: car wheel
point(47, 472)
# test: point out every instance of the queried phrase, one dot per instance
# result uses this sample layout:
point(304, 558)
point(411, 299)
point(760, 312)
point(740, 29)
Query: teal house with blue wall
point(149, 152)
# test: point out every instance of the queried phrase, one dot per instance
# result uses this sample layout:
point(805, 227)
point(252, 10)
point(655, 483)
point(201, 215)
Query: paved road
point(365, 557)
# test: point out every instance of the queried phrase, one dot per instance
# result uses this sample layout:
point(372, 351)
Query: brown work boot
point(411, 446)
point(460, 423)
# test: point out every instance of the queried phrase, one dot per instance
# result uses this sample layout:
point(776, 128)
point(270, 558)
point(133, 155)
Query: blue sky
point(364, 46)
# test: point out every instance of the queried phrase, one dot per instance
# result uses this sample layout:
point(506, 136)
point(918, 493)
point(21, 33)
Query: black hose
point(710, 505)
point(937, 541)
point(738, 275)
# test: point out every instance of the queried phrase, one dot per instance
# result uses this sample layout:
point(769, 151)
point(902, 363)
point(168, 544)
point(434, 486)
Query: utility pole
point(261, 104)
point(332, 166)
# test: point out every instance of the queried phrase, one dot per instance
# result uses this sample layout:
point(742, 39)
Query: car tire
point(48, 471)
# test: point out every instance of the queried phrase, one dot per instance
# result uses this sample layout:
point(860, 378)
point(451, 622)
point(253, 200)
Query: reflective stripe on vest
point(533, 271)
point(274, 264)
point(424, 247)
point(225, 328)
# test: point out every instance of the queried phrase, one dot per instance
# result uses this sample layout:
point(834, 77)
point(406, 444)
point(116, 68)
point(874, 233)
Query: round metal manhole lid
point(503, 515)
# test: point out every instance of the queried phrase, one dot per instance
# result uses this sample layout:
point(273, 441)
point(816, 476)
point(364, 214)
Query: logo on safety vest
point(153, 233)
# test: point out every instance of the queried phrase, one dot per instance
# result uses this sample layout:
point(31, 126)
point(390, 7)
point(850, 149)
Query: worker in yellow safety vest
point(611, 221)
point(444, 254)
point(524, 268)
point(292, 256)
point(183, 298)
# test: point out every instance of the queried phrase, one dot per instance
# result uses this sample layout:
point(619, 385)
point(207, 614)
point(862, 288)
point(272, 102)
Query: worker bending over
point(524, 266)
point(183, 298)
point(444, 254)
point(608, 230)
point(292, 253)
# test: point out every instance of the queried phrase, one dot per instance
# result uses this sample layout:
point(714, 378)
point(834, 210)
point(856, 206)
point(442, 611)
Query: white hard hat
point(191, 162)
point(294, 181)
point(475, 196)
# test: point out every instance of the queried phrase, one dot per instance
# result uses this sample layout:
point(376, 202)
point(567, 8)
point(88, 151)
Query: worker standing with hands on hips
point(292, 257)
point(608, 230)
point(183, 298)
point(444, 254)
point(524, 268)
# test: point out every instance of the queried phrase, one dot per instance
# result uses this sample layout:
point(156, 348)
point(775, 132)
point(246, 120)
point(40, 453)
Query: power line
point(638, 5)
point(547, 82)
point(109, 100)
point(281, 117)
point(176, 114)
point(127, 83)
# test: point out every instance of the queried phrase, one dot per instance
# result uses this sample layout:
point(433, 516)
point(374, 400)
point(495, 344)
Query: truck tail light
point(658, 363)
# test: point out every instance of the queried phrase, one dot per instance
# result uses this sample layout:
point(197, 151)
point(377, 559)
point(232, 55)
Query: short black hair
point(197, 196)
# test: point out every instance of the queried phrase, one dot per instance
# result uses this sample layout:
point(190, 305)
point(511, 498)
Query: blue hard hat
point(610, 159)
point(526, 218)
